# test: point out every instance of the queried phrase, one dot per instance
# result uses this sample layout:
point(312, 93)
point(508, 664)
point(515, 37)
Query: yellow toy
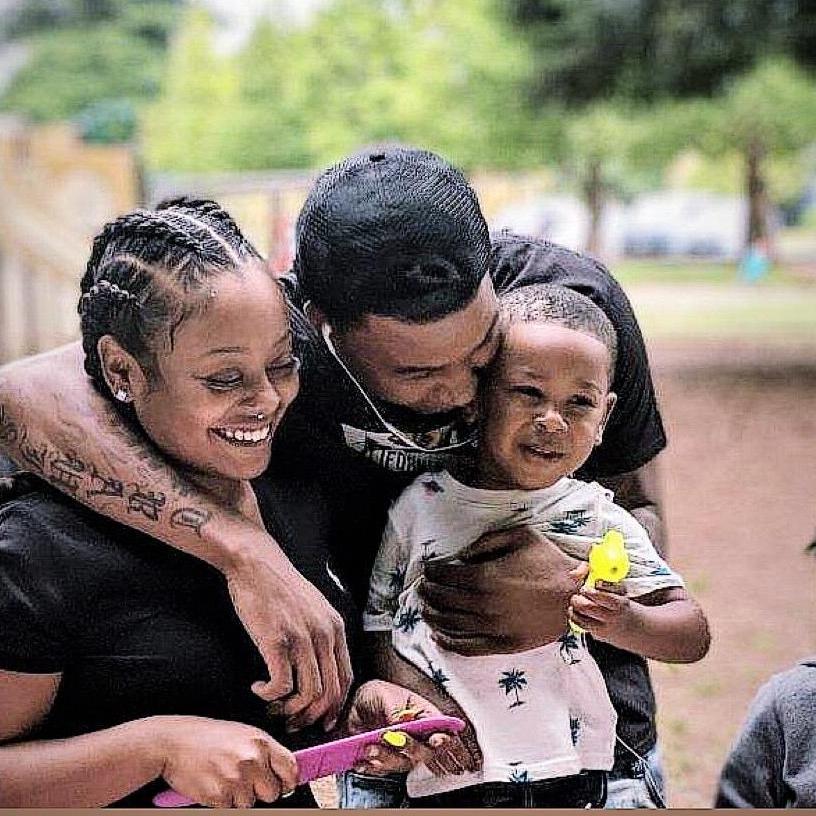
point(608, 562)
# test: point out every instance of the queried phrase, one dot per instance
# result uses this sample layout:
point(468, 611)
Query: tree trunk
point(758, 226)
point(593, 197)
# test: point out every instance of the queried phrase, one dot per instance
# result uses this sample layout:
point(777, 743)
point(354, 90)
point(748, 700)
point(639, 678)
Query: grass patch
point(629, 271)
point(743, 313)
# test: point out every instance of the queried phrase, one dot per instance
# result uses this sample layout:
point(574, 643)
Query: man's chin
point(400, 414)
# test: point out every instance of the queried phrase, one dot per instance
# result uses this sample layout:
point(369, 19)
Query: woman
point(123, 666)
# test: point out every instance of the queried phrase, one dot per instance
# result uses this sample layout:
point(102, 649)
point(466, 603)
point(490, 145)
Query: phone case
point(338, 755)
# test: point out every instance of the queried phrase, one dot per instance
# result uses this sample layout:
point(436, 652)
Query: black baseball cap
point(392, 230)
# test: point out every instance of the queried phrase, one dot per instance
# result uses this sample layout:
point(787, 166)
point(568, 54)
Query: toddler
point(543, 720)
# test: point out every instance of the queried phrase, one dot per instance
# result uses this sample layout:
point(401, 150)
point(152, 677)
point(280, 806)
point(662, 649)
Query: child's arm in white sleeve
point(650, 613)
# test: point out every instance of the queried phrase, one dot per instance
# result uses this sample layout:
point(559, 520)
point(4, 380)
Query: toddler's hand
point(375, 705)
point(602, 611)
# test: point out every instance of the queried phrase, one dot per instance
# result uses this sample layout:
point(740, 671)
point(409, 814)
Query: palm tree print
point(427, 552)
point(408, 619)
point(569, 645)
point(570, 522)
point(396, 579)
point(432, 487)
point(518, 774)
point(575, 729)
point(438, 677)
point(512, 682)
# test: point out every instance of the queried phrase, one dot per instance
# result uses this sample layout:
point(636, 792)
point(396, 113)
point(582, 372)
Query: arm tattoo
point(84, 480)
point(9, 432)
point(148, 503)
point(67, 471)
point(104, 485)
point(34, 456)
point(190, 517)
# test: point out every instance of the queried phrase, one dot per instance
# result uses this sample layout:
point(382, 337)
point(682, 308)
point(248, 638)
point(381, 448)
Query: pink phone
point(339, 755)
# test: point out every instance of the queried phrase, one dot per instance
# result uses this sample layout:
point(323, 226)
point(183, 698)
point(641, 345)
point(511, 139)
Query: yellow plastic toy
point(608, 562)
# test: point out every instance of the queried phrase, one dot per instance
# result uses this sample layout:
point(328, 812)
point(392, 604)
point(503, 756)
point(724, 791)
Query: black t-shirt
point(135, 627)
point(363, 467)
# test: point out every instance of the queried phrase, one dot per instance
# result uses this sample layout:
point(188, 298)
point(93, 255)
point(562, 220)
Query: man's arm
point(518, 582)
point(53, 423)
point(639, 492)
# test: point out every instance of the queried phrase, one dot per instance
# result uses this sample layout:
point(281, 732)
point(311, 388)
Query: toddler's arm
point(665, 625)
point(649, 612)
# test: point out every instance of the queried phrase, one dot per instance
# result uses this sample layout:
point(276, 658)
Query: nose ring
point(259, 416)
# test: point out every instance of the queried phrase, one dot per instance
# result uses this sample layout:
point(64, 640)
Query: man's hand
point(376, 705)
point(299, 635)
point(510, 594)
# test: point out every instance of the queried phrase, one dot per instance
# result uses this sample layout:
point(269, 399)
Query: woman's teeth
point(245, 437)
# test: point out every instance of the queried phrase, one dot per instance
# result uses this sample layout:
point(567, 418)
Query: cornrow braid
point(215, 217)
point(148, 271)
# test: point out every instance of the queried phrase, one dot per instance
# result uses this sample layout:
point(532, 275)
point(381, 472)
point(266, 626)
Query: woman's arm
point(222, 764)
point(666, 625)
point(55, 424)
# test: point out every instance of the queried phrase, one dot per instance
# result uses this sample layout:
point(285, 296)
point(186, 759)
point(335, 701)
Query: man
point(396, 269)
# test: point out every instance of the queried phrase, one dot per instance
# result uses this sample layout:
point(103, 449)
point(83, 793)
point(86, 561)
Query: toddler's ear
point(611, 399)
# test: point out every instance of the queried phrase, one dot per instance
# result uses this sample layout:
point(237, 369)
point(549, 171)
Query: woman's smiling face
point(224, 382)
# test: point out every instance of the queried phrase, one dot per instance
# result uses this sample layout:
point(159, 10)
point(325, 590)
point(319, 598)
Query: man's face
point(544, 407)
point(427, 367)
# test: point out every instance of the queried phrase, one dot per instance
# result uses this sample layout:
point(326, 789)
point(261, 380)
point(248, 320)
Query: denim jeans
point(623, 791)
point(585, 790)
point(356, 790)
point(635, 789)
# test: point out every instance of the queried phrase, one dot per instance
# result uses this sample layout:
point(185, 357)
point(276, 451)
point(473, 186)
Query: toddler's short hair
point(549, 303)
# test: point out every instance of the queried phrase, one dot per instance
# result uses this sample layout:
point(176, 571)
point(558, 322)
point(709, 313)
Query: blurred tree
point(106, 121)
point(599, 139)
point(433, 72)
point(198, 111)
point(86, 52)
point(648, 49)
point(766, 117)
point(770, 111)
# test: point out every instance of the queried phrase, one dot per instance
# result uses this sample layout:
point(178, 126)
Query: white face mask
point(326, 331)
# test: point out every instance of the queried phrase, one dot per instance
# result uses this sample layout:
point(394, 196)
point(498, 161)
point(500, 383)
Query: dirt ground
point(740, 482)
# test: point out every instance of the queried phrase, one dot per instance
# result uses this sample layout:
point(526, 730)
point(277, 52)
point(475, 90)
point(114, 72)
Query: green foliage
point(774, 104)
point(648, 50)
point(107, 121)
point(361, 71)
point(87, 52)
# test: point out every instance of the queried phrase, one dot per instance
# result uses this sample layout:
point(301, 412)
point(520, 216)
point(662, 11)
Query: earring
point(122, 395)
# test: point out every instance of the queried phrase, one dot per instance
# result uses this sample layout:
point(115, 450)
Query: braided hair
point(151, 269)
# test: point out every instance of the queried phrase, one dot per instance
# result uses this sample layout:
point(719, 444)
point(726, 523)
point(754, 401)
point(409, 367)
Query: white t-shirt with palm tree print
point(538, 714)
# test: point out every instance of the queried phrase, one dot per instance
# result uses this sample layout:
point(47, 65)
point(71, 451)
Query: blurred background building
point(676, 141)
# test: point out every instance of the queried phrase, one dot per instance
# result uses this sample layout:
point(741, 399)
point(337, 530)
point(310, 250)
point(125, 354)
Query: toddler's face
point(545, 406)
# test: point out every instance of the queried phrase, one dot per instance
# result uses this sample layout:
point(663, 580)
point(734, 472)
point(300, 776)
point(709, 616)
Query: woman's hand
point(376, 705)
point(224, 764)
